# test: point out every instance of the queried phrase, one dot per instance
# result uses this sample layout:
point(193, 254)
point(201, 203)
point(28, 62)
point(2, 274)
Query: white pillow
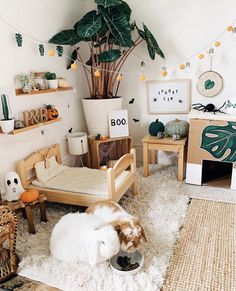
point(44, 174)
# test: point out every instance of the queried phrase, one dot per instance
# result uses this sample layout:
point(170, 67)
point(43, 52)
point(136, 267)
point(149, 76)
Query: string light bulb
point(164, 72)
point(182, 66)
point(51, 52)
point(119, 77)
point(142, 77)
point(97, 73)
point(230, 28)
point(74, 66)
point(217, 44)
point(201, 56)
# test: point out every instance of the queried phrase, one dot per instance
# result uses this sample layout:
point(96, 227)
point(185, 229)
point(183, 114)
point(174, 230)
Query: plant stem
point(86, 73)
point(121, 62)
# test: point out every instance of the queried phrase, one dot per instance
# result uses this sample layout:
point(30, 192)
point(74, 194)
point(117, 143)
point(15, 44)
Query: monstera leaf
point(109, 56)
point(152, 45)
point(119, 26)
point(108, 3)
point(89, 25)
point(220, 141)
point(66, 37)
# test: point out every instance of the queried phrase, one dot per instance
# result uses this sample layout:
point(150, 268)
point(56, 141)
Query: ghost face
point(13, 186)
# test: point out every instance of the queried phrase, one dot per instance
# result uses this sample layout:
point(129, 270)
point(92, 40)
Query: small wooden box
point(111, 149)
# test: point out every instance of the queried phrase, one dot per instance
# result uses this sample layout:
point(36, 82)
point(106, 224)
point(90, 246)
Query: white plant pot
point(97, 112)
point(7, 125)
point(53, 84)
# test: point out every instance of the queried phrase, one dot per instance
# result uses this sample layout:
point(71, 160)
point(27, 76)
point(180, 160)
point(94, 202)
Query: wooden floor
point(204, 258)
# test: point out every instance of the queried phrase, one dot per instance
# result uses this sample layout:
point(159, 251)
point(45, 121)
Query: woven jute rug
point(204, 258)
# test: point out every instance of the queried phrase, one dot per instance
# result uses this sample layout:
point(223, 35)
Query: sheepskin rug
point(161, 207)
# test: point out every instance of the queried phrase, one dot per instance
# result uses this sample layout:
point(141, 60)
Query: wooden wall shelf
point(24, 129)
point(19, 92)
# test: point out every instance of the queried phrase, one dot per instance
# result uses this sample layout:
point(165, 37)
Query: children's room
point(117, 145)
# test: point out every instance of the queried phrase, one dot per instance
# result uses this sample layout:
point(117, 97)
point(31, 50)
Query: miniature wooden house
point(212, 151)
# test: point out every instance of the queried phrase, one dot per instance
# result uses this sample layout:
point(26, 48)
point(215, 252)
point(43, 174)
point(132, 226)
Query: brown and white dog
point(129, 230)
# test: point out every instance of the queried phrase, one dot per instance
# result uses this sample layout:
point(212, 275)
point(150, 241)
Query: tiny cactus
point(5, 108)
point(50, 76)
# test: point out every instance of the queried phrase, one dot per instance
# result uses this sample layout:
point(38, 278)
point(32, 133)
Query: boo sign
point(118, 123)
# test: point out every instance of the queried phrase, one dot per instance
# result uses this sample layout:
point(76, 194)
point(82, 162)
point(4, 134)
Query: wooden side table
point(114, 148)
point(153, 144)
point(27, 210)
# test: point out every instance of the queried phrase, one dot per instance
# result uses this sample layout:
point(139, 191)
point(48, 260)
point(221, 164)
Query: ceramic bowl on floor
point(127, 263)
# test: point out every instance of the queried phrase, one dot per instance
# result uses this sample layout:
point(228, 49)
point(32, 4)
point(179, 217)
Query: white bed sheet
point(81, 180)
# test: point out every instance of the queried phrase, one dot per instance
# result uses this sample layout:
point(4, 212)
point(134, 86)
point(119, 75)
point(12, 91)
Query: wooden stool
point(153, 144)
point(27, 210)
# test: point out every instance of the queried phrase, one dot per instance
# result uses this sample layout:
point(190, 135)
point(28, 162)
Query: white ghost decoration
point(13, 186)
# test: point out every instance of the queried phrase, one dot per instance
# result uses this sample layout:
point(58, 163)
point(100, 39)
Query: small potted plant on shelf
point(26, 82)
point(111, 38)
point(52, 80)
point(7, 123)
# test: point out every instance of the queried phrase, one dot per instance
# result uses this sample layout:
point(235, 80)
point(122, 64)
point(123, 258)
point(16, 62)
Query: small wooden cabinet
point(111, 149)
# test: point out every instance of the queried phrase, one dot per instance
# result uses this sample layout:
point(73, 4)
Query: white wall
point(181, 28)
point(41, 19)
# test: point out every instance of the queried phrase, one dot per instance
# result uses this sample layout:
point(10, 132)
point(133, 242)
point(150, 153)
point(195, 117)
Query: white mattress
point(81, 180)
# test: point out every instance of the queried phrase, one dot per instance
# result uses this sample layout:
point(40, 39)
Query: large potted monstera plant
point(111, 37)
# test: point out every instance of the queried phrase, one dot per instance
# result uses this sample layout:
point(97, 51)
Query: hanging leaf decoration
point(220, 141)
point(19, 39)
point(60, 50)
point(41, 50)
point(209, 84)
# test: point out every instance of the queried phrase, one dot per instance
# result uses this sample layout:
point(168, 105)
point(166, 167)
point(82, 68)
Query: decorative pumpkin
point(52, 112)
point(177, 127)
point(156, 127)
point(29, 195)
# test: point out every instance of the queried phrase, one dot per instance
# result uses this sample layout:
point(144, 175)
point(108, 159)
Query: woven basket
point(8, 231)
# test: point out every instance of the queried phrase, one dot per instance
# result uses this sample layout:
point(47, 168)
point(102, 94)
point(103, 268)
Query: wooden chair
point(8, 231)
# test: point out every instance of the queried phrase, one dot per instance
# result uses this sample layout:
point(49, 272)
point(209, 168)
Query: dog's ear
point(143, 234)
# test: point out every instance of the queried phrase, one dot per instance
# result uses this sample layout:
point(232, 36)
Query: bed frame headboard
point(25, 167)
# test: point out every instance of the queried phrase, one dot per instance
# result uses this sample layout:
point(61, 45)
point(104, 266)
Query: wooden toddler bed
point(27, 174)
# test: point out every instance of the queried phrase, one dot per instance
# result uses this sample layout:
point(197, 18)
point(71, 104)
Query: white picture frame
point(118, 123)
point(169, 96)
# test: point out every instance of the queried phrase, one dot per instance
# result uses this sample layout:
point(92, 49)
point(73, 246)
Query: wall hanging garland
point(206, 89)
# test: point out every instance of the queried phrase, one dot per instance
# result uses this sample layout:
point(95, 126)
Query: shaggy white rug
point(209, 193)
point(161, 207)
